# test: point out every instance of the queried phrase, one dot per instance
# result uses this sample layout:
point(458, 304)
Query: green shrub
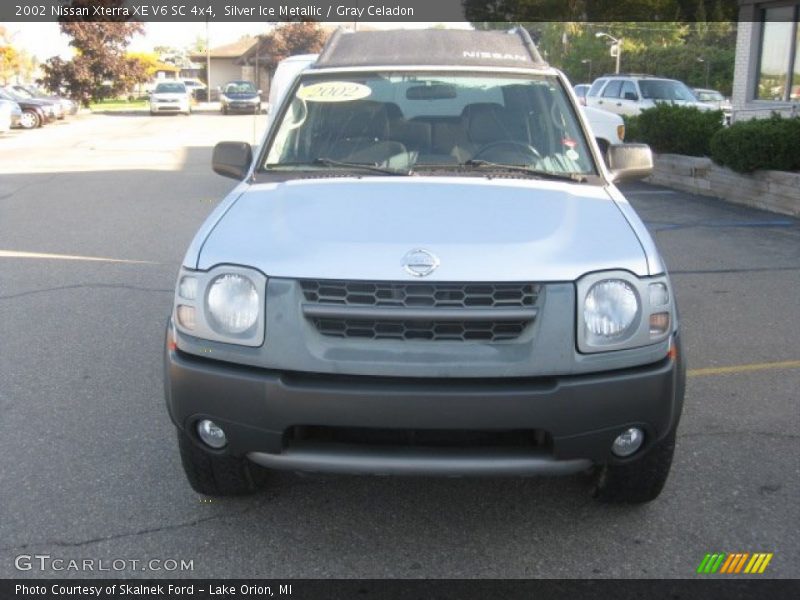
point(746, 146)
point(632, 129)
point(677, 129)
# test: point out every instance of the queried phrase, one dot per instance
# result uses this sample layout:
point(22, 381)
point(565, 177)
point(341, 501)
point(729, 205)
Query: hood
point(480, 229)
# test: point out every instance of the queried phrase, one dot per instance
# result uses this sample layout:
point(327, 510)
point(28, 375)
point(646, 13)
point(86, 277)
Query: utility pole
point(208, 64)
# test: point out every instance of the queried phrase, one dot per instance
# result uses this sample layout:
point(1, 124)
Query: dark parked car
point(240, 96)
point(35, 113)
point(68, 107)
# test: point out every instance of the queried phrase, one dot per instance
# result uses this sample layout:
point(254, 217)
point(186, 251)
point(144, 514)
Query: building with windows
point(767, 71)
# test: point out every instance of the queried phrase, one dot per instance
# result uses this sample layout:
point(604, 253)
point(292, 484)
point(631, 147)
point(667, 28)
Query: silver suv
point(631, 94)
point(426, 268)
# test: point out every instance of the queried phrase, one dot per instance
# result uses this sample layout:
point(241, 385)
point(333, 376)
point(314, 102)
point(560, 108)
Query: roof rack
point(429, 47)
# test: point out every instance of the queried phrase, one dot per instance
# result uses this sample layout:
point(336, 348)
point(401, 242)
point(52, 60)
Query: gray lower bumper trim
point(340, 458)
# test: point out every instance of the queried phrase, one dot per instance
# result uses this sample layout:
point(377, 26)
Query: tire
point(639, 481)
point(30, 119)
point(213, 475)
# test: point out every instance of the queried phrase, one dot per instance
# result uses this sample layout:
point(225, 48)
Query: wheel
point(152, 113)
point(213, 475)
point(638, 481)
point(506, 148)
point(30, 120)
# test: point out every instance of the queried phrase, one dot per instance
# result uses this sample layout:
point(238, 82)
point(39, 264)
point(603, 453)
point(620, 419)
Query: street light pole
point(617, 43)
point(700, 59)
point(588, 61)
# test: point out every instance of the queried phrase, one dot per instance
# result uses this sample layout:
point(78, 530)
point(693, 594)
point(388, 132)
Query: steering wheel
point(509, 146)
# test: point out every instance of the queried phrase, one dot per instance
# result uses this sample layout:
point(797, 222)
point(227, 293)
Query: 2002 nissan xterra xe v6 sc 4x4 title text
point(427, 269)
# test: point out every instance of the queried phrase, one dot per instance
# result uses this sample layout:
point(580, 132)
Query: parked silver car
point(426, 268)
point(170, 97)
point(10, 115)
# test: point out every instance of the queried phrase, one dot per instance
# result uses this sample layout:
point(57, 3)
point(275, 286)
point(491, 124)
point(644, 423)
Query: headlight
point(609, 310)
point(232, 304)
point(617, 310)
point(224, 304)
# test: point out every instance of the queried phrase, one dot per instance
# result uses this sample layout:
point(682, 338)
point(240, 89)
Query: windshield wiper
point(329, 162)
point(480, 164)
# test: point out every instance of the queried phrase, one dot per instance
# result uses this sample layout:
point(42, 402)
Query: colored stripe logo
point(734, 563)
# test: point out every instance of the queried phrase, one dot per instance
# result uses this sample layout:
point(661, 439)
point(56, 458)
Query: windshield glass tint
point(240, 87)
point(417, 121)
point(170, 88)
point(665, 90)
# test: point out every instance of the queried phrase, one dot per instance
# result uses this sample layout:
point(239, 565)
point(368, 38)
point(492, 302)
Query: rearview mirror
point(629, 161)
point(437, 91)
point(232, 159)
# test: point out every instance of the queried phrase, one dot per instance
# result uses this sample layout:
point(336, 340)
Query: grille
point(441, 311)
point(488, 331)
point(419, 295)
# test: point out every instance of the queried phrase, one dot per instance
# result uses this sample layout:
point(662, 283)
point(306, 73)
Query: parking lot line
point(785, 364)
point(40, 255)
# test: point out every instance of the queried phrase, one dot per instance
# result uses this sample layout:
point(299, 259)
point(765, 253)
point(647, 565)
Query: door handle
point(619, 103)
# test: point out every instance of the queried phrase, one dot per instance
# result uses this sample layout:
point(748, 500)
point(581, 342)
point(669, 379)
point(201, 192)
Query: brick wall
point(776, 191)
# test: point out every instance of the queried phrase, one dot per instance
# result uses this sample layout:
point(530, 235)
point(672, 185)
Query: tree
point(100, 68)
point(305, 37)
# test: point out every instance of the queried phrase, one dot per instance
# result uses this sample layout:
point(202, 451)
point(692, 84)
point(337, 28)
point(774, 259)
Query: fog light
point(659, 324)
point(186, 316)
point(628, 442)
point(211, 434)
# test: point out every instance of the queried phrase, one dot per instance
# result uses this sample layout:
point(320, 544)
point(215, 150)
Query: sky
point(44, 40)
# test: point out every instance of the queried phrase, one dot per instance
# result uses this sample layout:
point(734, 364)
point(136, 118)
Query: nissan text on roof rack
point(426, 269)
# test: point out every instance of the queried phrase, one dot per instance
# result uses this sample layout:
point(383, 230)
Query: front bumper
point(581, 415)
point(171, 107)
point(242, 106)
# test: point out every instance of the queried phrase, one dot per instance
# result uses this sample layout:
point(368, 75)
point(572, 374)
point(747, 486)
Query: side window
point(629, 91)
point(612, 89)
point(596, 87)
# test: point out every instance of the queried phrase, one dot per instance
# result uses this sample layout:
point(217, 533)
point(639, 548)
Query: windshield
point(417, 121)
point(10, 94)
point(710, 96)
point(240, 87)
point(662, 89)
point(170, 88)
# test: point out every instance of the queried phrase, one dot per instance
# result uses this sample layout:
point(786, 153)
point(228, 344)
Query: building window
point(779, 62)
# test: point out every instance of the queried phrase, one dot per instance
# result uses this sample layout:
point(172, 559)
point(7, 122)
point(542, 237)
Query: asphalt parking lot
point(95, 215)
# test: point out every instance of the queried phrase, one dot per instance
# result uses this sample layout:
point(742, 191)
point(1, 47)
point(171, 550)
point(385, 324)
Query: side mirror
point(232, 159)
point(628, 162)
point(631, 96)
